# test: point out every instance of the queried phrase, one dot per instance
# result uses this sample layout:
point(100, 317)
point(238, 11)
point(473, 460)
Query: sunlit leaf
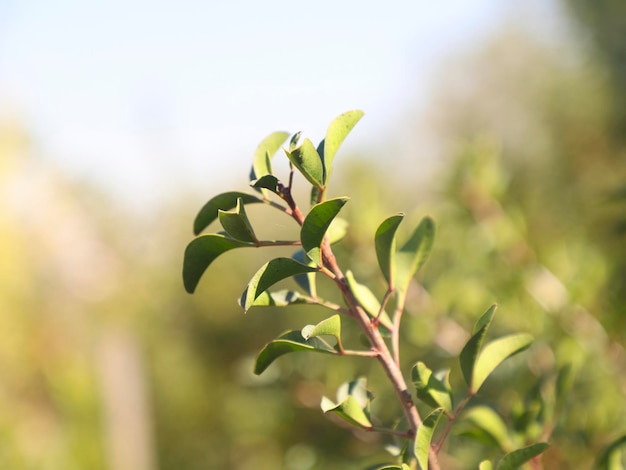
point(492, 427)
point(268, 275)
point(225, 202)
point(430, 389)
point(337, 131)
point(337, 230)
point(330, 326)
point(366, 298)
point(411, 257)
point(349, 410)
point(424, 437)
point(495, 352)
point(315, 225)
point(236, 223)
point(261, 163)
point(385, 242)
point(293, 142)
point(514, 460)
point(306, 159)
point(472, 347)
point(291, 341)
point(357, 389)
point(353, 403)
point(201, 252)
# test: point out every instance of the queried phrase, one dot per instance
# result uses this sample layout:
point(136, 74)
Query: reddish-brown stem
point(395, 332)
point(379, 349)
point(383, 304)
point(387, 361)
point(451, 420)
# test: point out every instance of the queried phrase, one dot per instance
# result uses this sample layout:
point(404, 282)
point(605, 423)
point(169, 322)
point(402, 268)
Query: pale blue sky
point(132, 92)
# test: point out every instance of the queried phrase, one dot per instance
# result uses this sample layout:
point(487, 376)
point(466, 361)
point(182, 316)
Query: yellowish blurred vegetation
point(105, 362)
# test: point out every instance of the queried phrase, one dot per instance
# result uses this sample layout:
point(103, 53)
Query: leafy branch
point(320, 229)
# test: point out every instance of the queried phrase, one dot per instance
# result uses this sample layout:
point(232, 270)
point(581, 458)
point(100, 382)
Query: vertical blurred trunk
point(127, 419)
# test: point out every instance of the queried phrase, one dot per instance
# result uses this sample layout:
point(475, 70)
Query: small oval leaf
point(337, 131)
point(385, 242)
point(367, 299)
point(349, 410)
point(514, 460)
point(315, 225)
point(330, 326)
point(492, 427)
point(306, 159)
point(430, 389)
point(424, 437)
point(268, 275)
point(201, 252)
point(261, 163)
point(291, 341)
point(413, 254)
point(470, 351)
point(236, 223)
point(224, 201)
point(266, 182)
point(494, 353)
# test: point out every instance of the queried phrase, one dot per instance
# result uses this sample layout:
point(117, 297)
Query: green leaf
point(266, 182)
point(607, 457)
point(492, 427)
point(291, 341)
point(349, 410)
point(331, 327)
point(424, 437)
point(353, 403)
point(201, 252)
point(261, 163)
point(413, 254)
point(224, 201)
point(281, 298)
point(236, 223)
point(306, 159)
point(385, 242)
point(293, 143)
point(315, 225)
point(337, 230)
point(430, 389)
point(366, 298)
point(494, 353)
point(337, 131)
point(472, 347)
point(268, 275)
point(306, 281)
point(316, 195)
point(514, 460)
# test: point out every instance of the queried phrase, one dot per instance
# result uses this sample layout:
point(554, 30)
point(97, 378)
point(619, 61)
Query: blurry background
point(118, 120)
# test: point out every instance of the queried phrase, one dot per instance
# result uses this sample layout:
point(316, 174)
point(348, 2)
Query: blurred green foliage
point(107, 363)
